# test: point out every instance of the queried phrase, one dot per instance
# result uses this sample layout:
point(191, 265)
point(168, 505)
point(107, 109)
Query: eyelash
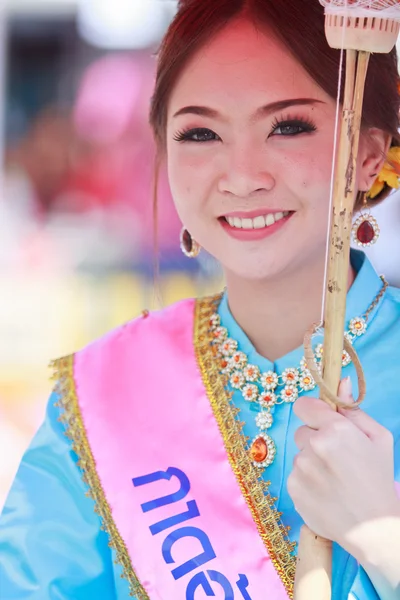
point(186, 135)
point(304, 124)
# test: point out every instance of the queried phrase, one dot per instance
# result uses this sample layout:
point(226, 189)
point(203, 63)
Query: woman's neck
point(275, 314)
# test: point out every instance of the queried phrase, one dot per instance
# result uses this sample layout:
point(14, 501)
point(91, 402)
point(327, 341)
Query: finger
point(302, 437)
point(346, 392)
point(357, 416)
point(314, 412)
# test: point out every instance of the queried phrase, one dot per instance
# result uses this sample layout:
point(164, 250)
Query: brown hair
point(299, 24)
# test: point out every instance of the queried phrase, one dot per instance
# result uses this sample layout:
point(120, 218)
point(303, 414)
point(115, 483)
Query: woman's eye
point(196, 135)
point(292, 128)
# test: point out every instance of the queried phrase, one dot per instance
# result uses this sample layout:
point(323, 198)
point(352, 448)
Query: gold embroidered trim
point(255, 491)
point(63, 369)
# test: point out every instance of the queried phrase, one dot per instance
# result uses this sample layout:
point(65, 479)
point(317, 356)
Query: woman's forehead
point(242, 62)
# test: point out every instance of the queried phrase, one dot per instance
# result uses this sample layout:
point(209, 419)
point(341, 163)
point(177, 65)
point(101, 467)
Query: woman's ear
point(374, 146)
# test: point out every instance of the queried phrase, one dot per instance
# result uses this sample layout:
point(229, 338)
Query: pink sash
point(173, 506)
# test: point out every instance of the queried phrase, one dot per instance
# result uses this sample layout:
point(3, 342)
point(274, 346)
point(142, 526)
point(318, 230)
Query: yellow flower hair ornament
point(389, 174)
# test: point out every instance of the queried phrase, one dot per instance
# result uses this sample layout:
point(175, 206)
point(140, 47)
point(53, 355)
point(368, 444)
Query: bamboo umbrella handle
point(314, 567)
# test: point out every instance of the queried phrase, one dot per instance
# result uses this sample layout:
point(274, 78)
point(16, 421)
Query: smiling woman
point(198, 428)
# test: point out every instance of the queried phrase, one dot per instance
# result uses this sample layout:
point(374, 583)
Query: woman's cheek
point(315, 172)
point(187, 166)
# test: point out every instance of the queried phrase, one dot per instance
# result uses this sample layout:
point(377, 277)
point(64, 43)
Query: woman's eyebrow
point(263, 111)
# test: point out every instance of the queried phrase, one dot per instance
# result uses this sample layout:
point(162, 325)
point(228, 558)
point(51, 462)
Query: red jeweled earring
point(365, 228)
point(189, 246)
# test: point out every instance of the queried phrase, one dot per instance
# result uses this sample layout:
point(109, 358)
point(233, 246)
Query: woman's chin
point(256, 271)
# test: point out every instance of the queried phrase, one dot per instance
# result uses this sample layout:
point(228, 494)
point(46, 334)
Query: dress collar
point(365, 288)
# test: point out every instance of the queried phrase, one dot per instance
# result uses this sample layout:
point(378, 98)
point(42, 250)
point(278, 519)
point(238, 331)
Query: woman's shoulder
point(380, 351)
point(393, 294)
point(389, 315)
point(145, 336)
point(172, 318)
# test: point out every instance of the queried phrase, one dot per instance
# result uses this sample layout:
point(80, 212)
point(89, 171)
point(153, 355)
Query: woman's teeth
point(258, 222)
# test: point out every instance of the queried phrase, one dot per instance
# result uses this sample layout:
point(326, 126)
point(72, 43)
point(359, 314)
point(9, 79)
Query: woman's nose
point(245, 174)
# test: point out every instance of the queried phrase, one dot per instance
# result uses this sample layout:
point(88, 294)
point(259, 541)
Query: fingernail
point(347, 387)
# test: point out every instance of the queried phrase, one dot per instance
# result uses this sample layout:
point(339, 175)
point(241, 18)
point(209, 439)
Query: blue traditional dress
point(52, 545)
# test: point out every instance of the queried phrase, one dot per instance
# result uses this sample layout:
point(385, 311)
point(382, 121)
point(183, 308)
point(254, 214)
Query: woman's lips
point(248, 234)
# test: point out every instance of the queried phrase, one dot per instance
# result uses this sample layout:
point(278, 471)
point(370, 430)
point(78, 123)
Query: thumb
point(357, 416)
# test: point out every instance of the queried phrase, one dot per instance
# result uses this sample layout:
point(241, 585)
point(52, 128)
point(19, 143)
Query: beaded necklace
point(269, 390)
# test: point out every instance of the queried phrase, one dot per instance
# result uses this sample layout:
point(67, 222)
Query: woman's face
point(249, 150)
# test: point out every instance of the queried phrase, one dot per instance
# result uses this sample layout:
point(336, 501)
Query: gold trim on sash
point(68, 400)
point(255, 491)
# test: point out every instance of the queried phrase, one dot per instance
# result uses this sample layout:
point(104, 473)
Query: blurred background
point(77, 249)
